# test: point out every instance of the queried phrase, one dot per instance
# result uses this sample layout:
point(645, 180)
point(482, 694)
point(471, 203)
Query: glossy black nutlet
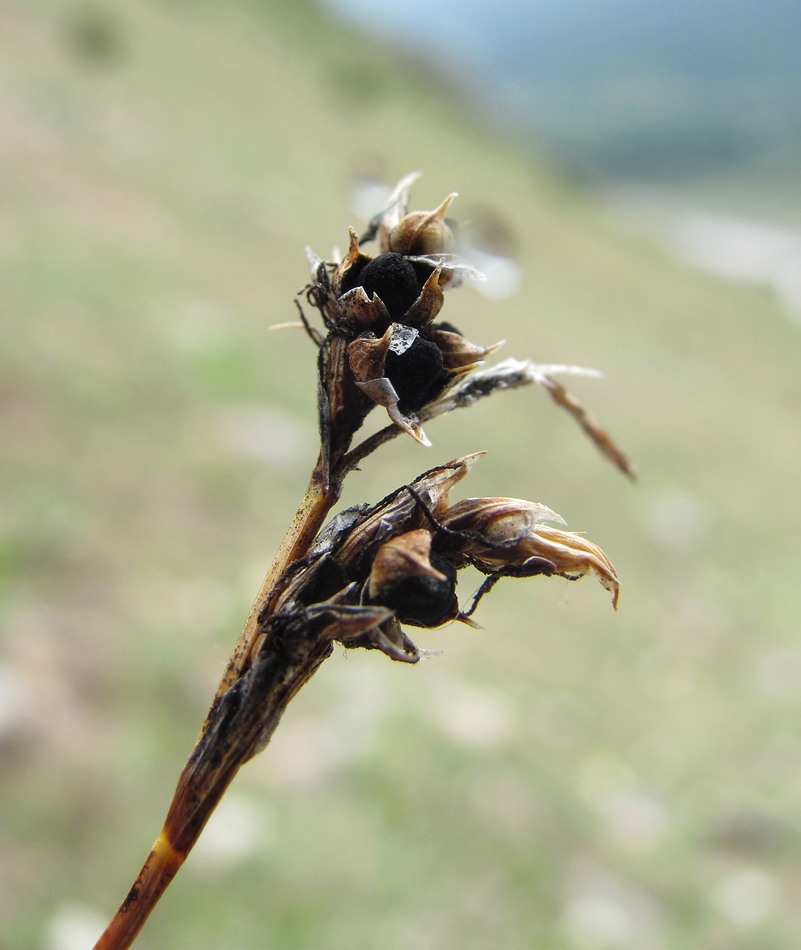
point(417, 374)
point(446, 326)
point(395, 281)
point(425, 601)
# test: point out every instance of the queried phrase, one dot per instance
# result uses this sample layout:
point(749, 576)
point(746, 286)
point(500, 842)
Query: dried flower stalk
point(373, 568)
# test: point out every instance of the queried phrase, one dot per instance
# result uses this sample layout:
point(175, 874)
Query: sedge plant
point(373, 570)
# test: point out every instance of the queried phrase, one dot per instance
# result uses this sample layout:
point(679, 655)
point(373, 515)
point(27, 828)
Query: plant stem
point(259, 681)
point(159, 869)
point(309, 518)
point(244, 720)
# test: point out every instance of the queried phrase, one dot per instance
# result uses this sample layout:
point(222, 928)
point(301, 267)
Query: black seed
point(417, 374)
point(351, 278)
point(425, 601)
point(325, 578)
point(395, 281)
point(423, 271)
point(443, 325)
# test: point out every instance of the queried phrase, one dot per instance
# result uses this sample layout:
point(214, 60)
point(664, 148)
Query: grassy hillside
point(565, 777)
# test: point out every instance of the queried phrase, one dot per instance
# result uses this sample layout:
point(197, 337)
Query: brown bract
point(400, 559)
point(502, 533)
point(422, 232)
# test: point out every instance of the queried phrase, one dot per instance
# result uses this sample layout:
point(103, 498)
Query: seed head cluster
point(384, 345)
point(403, 555)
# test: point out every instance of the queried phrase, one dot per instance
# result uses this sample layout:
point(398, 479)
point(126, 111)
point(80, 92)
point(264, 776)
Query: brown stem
point(244, 719)
point(309, 518)
point(159, 869)
point(259, 681)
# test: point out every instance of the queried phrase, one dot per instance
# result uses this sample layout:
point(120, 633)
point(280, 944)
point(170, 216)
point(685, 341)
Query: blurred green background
point(565, 777)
